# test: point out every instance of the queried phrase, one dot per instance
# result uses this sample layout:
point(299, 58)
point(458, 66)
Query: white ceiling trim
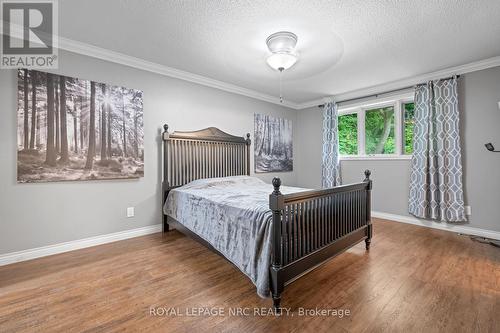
point(126, 60)
point(123, 59)
point(399, 84)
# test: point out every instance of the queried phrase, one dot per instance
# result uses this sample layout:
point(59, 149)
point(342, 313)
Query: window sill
point(376, 158)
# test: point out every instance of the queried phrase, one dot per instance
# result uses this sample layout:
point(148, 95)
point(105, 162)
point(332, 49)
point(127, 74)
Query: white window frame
point(360, 108)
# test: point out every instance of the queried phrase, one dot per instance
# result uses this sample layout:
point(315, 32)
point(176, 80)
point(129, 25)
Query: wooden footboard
point(314, 226)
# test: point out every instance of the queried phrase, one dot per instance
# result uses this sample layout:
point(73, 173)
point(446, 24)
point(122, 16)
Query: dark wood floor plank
point(413, 279)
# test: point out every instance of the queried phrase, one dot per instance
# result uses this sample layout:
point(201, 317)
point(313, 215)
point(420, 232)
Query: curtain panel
point(330, 170)
point(436, 190)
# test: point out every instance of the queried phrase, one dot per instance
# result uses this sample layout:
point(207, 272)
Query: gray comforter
point(233, 215)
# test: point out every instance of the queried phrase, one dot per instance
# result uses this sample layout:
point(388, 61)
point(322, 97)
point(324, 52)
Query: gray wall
point(33, 215)
point(480, 123)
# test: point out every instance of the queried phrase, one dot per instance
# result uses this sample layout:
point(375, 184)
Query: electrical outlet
point(130, 212)
point(468, 211)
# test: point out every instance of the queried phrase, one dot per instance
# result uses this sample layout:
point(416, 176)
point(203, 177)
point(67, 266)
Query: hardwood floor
point(413, 279)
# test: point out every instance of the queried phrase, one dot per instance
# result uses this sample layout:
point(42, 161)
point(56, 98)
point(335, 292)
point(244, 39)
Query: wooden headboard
point(207, 153)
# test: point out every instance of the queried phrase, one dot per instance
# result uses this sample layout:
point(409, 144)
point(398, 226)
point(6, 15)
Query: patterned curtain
point(436, 190)
point(330, 167)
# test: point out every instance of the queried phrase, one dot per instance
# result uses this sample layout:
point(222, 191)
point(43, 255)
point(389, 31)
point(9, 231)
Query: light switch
point(130, 212)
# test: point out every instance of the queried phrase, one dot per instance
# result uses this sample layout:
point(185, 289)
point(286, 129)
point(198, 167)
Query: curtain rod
point(385, 92)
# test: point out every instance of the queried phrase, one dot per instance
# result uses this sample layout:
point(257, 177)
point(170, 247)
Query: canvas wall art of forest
point(273, 144)
point(74, 129)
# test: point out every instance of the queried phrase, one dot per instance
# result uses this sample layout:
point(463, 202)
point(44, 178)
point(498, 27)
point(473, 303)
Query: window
point(348, 134)
point(380, 129)
point(409, 119)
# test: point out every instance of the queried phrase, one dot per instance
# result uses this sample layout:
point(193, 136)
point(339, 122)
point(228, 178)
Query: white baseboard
point(44, 251)
point(439, 225)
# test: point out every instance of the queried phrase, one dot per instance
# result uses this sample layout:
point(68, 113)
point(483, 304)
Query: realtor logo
point(29, 34)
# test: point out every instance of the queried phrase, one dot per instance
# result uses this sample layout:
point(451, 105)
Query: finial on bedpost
point(248, 141)
point(165, 134)
point(367, 175)
point(367, 179)
point(276, 185)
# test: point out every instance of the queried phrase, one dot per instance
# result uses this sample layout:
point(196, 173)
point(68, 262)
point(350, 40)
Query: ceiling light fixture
point(282, 46)
point(283, 55)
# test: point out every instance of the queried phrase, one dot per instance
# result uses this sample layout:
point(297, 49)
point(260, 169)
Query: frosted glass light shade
point(282, 46)
point(281, 61)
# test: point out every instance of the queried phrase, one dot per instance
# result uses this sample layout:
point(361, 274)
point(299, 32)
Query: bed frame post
point(277, 204)
point(369, 227)
point(248, 143)
point(165, 185)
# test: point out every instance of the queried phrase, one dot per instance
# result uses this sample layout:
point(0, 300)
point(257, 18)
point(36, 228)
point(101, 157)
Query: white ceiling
point(343, 45)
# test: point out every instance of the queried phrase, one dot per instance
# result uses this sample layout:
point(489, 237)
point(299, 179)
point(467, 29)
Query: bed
point(274, 235)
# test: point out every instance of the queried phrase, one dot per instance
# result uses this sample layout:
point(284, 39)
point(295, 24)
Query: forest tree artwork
point(273, 144)
point(73, 129)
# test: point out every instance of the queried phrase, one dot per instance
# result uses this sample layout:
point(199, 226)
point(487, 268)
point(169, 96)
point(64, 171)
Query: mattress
point(232, 214)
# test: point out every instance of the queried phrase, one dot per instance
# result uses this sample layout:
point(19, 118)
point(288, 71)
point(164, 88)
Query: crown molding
point(311, 103)
point(126, 60)
point(93, 51)
point(379, 89)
